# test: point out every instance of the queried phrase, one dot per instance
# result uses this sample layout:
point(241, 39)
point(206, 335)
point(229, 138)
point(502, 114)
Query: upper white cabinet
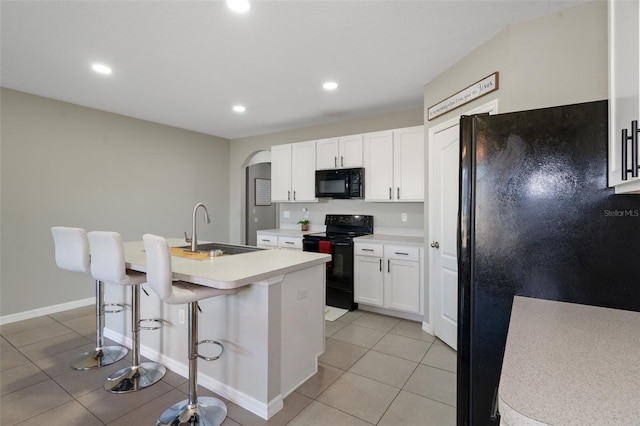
point(394, 165)
point(624, 88)
point(339, 153)
point(293, 172)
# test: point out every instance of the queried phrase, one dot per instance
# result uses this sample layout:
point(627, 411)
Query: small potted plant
point(304, 224)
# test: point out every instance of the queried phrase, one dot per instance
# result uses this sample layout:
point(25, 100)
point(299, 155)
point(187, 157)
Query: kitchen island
point(272, 327)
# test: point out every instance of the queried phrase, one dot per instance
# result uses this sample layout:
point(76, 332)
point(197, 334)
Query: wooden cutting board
point(180, 252)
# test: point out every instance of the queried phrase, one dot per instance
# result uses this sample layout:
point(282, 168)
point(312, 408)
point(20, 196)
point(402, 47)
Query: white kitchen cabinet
point(290, 243)
point(293, 172)
point(267, 241)
point(394, 165)
point(388, 276)
point(339, 153)
point(624, 90)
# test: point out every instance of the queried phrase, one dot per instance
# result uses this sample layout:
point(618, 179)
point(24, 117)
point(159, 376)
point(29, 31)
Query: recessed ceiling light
point(239, 108)
point(330, 85)
point(239, 6)
point(101, 69)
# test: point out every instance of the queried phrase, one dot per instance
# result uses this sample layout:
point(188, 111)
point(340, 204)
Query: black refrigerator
point(536, 219)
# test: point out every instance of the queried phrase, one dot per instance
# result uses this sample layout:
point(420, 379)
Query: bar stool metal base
point(207, 412)
point(98, 358)
point(131, 379)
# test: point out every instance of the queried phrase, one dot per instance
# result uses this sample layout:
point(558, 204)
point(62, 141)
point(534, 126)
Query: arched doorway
point(258, 214)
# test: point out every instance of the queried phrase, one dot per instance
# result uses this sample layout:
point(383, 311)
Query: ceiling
point(186, 63)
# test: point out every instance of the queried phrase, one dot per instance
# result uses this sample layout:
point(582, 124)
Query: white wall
point(554, 60)
point(242, 149)
point(67, 165)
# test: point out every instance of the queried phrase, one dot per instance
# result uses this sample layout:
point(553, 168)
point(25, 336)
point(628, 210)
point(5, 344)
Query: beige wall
point(67, 165)
point(243, 149)
point(554, 60)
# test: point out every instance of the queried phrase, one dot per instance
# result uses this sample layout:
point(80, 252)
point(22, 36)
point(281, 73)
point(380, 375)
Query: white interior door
point(443, 189)
point(444, 165)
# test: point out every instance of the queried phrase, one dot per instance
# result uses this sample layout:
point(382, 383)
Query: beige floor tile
point(376, 321)
point(5, 345)
point(230, 422)
point(34, 335)
point(340, 354)
point(58, 364)
point(359, 336)
point(441, 356)
point(110, 406)
point(21, 377)
point(361, 397)
point(412, 329)
point(81, 324)
point(201, 391)
point(31, 401)
point(403, 347)
point(384, 368)
point(12, 358)
point(75, 313)
point(413, 410)
point(350, 316)
point(293, 405)
point(331, 327)
point(25, 325)
point(80, 382)
point(70, 414)
point(55, 345)
point(148, 413)
point(317, 414)
point(325, 376)
point(433, 383)
point(174, 379)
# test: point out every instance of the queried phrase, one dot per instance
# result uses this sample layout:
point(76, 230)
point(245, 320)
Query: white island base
point(272, 332)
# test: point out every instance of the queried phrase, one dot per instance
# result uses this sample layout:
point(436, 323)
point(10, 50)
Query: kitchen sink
point(223, 248)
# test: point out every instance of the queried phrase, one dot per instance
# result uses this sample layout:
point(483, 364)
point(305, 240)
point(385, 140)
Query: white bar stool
point(72, 254)
point(108, 265)
point(203, 411)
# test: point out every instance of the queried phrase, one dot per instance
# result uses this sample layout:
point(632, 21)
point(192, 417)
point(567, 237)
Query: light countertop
point(411, 240)
point(232, 271)
point(283, 232)
point(570, 364)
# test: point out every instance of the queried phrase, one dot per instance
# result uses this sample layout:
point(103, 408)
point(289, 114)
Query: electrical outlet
point(404, 217)
point(181, 316)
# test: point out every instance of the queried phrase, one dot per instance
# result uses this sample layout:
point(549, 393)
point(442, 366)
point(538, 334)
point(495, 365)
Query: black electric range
point(338, 241)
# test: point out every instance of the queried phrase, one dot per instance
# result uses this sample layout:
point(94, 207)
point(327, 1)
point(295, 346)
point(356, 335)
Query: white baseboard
point(427, 328)
point(391, 312)
point(245, 401)
point(48, 310)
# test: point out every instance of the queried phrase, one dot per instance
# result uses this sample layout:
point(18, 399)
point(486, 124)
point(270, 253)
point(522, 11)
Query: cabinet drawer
point(362, 249)
point(402, 253)
point(267, 241)
point(290, 243)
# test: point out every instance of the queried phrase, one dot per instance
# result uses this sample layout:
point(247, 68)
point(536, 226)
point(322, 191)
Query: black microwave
point(342, 183)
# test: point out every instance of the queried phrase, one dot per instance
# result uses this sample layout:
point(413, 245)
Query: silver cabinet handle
point(388, 265)
point(380, 265)
point(341, 161)
point(390, 193)
point(404, 254)
point(289, 195)
point(398, 193)
point(335, 162)
point(366, 249)
point(289, 242)
point(435, 244)
point(294, 195)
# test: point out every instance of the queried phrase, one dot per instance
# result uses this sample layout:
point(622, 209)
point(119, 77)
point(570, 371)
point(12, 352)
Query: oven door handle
point(342, 244)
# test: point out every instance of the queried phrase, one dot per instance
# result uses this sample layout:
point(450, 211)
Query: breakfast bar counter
point(272, 328)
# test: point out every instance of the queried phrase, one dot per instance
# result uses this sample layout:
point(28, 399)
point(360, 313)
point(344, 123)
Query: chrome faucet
point(194, 237)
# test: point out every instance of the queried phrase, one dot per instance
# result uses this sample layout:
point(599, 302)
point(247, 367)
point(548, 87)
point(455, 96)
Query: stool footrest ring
point(112, 308)
point(211, 358)
point(160, 323)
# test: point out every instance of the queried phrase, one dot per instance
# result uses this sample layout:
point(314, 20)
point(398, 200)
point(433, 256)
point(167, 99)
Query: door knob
point(435, 244)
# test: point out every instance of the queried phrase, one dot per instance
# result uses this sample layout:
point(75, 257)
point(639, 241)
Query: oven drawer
point(363, 249)
point(402, 253)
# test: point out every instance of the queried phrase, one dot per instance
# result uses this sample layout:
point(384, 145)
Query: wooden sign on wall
point(466, 95)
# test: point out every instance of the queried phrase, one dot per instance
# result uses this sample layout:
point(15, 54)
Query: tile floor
point(376, 370)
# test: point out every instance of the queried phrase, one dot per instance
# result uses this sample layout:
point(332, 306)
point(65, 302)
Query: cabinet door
point(624, 86)
point(327, 154)
point(267, 241)
point(402, 285)
point(408, 164)
point(303, 171)
point(292, 243)
point(350, 152)
point(378, 163)
point(368, 280)
point(281, 173)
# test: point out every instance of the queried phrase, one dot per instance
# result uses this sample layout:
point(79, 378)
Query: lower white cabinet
point(279, 242)
point(388, 276)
